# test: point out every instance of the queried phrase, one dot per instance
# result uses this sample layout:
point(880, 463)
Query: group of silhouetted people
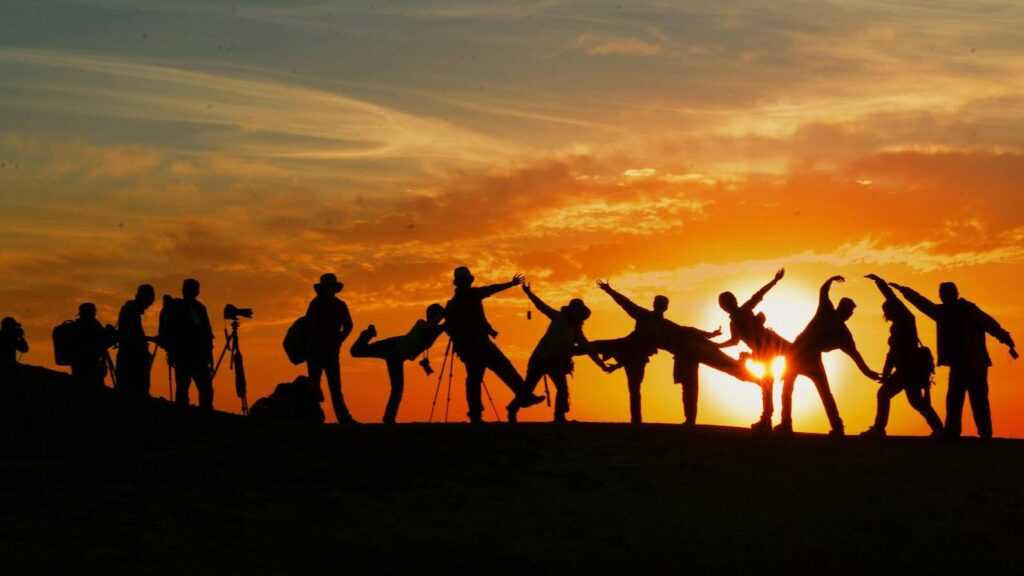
point(187, 337)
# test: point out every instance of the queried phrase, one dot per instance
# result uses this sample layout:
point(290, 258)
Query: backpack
point(65, 343)
point(924, 363)
point(169, 328)
point(296, 341)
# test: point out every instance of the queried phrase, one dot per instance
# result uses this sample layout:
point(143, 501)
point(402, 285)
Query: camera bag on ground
point(298, 401)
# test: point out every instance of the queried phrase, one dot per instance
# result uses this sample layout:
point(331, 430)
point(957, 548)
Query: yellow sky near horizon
point(682, 150)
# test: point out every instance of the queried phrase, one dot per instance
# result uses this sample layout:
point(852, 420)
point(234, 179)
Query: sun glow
point(788, 308)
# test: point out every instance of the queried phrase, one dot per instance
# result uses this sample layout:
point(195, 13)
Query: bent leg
point(885, 395)
point(561, 396)
point(504, 370)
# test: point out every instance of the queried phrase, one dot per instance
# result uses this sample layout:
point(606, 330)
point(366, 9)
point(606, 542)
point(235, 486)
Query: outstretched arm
point(760, 294)
point(998, 332)
point(540, 304)
point(628, 305)
point(823, 296)
point(883, 287)
point(583, 345)
point(926, 306)
point(854, 354)
point(488, 291)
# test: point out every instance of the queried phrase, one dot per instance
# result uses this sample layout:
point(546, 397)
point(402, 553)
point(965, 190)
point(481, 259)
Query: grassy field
point(158, 491)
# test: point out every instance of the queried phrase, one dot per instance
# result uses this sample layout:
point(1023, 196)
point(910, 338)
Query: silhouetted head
point(761, 318)
point(462, 277)
point(190, 289)
point(329, 284)
point(846, 308)
point(9, 324)
point(577, 311)
point(948, 293)
point(87, 311)
point(890, 310)
point(145, 295)
point(435, 313)
point(660, 304)
point(728, 302)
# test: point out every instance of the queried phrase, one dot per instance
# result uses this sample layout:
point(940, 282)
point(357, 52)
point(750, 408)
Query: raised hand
point(1013, 353)
point(526, 286)
point(874, 277)
point(716, 333)
point(780, 274)
point(837, 278)
point(518, 279)
point(604, 285)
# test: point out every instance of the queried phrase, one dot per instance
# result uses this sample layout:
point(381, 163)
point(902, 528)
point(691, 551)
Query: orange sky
point(675, 150)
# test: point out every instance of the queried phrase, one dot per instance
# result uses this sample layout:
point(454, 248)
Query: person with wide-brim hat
point(553, 354)
point(471, 336)
point(328, 325)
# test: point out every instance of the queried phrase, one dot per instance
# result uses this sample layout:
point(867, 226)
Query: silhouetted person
point(962, 327)
point(552, 356)
point(908, 365)
point(397, 349)
point(92, 340)
point(471, 336)
point(329, 324)
point(634, 351)
point(193, 347)
point(12, 342)
point(133, 356)
point(827, 331)
point(765, 345)
point(690, 347)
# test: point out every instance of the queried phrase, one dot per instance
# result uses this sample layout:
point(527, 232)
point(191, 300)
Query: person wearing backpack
point(92, 340)
point(909, 366)
point(133, 357)
point(328, 324)
point(193, 338)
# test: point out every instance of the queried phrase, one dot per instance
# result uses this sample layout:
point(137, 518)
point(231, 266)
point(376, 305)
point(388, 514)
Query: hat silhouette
point(329, 282)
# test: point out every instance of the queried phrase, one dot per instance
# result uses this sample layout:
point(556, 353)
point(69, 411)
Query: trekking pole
point(440, 378)
point(111, 368)
point(497, 417)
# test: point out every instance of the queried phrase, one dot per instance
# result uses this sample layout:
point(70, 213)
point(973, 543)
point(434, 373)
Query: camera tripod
point(449, 364)
point(236, 364)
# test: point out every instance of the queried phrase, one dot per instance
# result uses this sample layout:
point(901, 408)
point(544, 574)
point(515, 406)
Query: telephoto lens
point(425, 364)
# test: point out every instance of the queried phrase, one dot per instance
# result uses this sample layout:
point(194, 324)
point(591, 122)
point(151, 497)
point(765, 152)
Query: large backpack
point(170, 323)
point(65, 343)
point(296, 341)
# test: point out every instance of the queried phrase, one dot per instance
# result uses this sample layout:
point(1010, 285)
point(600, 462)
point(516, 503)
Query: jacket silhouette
point(962, 330)
point(908, 367)
point(690, 347)
point(827, 331)
point(92, 339)
point(634, 351)
point(12, 342)
point(552, 357)
point(133, 356)
point(328, 323)
point(765, 345)
point(471, 336)
point(395, 351)
point(193, 348)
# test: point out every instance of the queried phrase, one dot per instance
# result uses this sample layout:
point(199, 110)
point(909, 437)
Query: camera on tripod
point(425, 364)
point(232, 312)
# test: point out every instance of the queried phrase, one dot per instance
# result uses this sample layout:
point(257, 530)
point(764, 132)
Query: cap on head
point(846, 308)
point(87, 310)
point(660, 303)
point(728, 302)
point(190, 288)
point(329, 283)
point(462, 276)
point(9, 323)
point(948, 292)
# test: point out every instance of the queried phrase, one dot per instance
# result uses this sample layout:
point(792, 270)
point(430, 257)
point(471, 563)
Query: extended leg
point(182, 380)
point(885, 395)
point(332, 368)
point(634, 378)
point(561, 396)
point(955, 401)
point(396, 374)
point(920, 400)
point(977, 391)
point(820, 379)
point(474, 379)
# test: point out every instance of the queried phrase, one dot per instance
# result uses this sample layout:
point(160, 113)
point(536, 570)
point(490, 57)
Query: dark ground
point(96, 491)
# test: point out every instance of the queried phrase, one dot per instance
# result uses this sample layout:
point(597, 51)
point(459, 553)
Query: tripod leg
point(497, 417)
point(440, 378)
point(448, 399)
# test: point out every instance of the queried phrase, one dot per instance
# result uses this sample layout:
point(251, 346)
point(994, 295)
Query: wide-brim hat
point(329, 282)
point(578, 310)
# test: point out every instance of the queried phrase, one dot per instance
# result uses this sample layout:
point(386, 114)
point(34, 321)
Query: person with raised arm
point(553, 354)
point(827, 331)
point(472, 335)
point(634, 351)
point(909, 365)
point(962, 331)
